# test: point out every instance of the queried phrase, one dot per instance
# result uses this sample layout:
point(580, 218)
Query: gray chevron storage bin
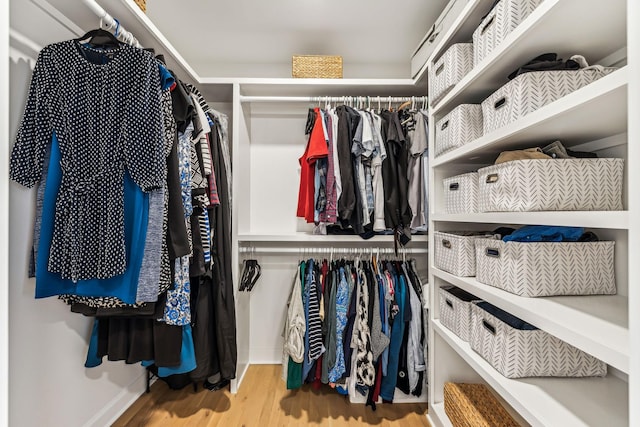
point(498, 24)
point(452, 66)
point(461, 126)
point(455, 251)
point(455, 310)
point(551, 185)
point(461, 193)
point(530, 91)
point(535, 269)
point(517, 349)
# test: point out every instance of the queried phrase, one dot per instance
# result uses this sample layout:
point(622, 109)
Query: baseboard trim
point(114, 409)
point(235, 383)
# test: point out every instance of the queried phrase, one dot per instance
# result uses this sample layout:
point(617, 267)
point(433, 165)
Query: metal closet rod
point(345, 99)
point(111, 23)
point(331, 250)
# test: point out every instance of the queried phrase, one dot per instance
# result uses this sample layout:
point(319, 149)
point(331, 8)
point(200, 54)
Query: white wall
point(48, 384)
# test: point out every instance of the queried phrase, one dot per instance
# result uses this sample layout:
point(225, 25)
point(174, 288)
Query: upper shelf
point(598, 31)
point(327, 87)
point(593, 112)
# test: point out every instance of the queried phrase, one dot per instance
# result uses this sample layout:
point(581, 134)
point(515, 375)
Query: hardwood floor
point(263, 401)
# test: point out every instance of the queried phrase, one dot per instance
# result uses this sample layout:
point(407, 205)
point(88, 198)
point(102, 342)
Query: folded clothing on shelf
point(555, 150)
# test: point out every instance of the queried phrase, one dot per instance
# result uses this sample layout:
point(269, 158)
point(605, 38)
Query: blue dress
point(136, 214)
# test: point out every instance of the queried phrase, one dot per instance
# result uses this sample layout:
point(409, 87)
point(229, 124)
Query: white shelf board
point(596, 324)
point(593, 112)
point(437, 417)
point(552, 401)
point(601, 31)
point(589, 219)
point(313, 238)
point(328, 87)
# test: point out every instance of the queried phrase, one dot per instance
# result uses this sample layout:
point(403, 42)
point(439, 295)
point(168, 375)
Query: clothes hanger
point(257, 270)
point(245, 276)
point(101, 37)
point(404, 105)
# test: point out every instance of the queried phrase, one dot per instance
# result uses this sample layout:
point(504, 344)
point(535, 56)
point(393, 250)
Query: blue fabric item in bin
point(505, 317)
point(461, 294)
point(545, 233)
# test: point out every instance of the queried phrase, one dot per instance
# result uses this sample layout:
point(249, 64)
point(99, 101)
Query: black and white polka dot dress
point(107, 117)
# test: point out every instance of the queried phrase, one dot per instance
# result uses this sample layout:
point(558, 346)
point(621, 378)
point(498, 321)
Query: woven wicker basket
point(316, 66)
point(473, 405)
point(142, 4)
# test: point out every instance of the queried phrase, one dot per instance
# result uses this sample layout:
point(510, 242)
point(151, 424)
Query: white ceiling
point(256, 38)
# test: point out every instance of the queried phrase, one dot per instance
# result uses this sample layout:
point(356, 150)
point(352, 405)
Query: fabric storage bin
point(455, 251)
point(461, 126)
point(461, 193)
point(530, 91)
point(473, 405)
point(452, 66)
point(535, 269)
point(517, 349)
point(551, 185)
point(498, 23)
point(435, 34)
point(455, 310)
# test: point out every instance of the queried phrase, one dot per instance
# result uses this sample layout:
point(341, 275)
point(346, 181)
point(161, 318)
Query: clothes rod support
point(345, 99)
point(328, 251)
point(111, 23)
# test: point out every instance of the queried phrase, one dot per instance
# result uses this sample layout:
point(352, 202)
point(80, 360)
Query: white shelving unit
point(547, 29)
point(550, 401)
point(596, 118)
point(268, 141)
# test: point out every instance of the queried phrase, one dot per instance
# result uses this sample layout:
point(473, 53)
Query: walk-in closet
point(436, 225)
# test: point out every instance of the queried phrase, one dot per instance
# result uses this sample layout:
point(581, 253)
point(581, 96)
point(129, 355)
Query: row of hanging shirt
point(358, 322)
point(133, 199)
point(365, 171)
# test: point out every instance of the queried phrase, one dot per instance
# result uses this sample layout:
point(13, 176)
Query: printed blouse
point(107, 117)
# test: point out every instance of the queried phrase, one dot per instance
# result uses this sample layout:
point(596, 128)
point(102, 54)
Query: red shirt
point(316, 148)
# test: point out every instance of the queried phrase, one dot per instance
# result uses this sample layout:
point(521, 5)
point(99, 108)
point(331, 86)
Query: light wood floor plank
point(263, 401)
